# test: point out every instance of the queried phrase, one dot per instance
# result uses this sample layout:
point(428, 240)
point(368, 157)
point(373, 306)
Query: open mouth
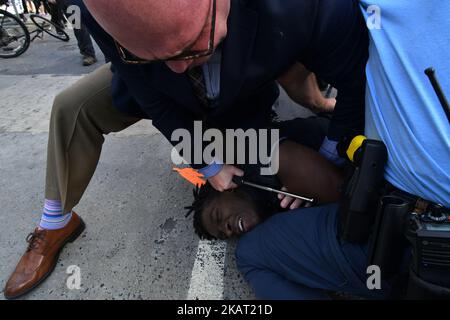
point(241, 225)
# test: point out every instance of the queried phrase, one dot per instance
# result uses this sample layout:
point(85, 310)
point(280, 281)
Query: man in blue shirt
point(402, 108)
point(298, 255)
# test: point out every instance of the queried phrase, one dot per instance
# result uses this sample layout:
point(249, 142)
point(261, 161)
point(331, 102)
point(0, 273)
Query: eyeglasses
point(129, 58)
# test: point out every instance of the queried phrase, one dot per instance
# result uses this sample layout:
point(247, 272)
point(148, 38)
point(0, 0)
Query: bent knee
point(64, 105)
point(87, 94)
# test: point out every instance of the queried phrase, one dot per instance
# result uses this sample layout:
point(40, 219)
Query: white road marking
point(208, 271)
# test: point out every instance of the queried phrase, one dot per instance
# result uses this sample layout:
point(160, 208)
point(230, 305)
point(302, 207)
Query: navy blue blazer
point(265, 37)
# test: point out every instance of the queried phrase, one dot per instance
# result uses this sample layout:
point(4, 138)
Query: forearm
point(301, 86)
point(294, 82)
point(304, 171)
point(296, 73)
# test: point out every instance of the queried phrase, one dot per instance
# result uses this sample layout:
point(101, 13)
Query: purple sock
point(53, 217)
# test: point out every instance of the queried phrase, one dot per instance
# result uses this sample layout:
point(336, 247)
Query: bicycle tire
point(41, 25)
point(21, 26)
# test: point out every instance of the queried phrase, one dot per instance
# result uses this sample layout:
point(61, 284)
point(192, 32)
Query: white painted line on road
point(208, 271)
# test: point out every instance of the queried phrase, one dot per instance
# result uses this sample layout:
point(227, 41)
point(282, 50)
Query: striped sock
point(52, 216)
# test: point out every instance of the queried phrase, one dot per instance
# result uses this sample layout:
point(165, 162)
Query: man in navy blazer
point(264, 38)
point(177, 61)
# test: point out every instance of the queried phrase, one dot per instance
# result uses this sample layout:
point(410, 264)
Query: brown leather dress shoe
point(41, 257)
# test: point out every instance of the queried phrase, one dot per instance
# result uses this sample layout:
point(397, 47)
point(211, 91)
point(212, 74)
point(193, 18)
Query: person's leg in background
point(31, 6)
point(297, 255)
point(80, 116)
point(83, 37)
point(56, 10)
point(85, 45)
point(25, 7)
point(37, 6)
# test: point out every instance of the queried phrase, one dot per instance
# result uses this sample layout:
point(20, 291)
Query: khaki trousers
point(80, 117)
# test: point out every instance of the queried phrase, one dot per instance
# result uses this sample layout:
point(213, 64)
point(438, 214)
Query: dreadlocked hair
point(202, 196)
point(266, 204)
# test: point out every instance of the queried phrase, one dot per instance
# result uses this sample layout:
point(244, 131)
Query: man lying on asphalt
point(212, 60)
point(223, 215)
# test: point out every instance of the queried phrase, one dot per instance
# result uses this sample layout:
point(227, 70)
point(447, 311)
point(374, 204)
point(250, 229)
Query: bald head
point(154, 29)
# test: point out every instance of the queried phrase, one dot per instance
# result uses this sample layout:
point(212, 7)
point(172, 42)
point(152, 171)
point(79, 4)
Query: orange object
point(191, 175)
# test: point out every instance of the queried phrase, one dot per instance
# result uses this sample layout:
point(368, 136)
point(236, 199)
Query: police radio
point(428, 231)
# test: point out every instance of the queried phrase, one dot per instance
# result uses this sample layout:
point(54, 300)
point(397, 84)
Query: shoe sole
point(78, 231)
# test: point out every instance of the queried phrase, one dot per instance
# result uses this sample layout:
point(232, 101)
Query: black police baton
point(440, 94)
point(240, 181)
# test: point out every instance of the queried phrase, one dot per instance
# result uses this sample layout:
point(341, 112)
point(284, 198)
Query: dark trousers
point(37, 4)
point(25, 8)
point(298, 255)
point(84, 41)
point(83, 37)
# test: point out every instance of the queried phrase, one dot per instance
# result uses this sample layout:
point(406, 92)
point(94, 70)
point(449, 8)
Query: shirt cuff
point(329, 151)
point(211, 170)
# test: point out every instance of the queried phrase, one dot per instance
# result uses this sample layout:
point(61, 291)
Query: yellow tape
point(354, 146)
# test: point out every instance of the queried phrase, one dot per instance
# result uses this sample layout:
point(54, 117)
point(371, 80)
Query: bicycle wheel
point(49, 27)
point(14, 36)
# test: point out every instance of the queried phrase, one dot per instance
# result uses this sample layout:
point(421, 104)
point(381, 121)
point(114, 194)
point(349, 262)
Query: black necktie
point(198, 85)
